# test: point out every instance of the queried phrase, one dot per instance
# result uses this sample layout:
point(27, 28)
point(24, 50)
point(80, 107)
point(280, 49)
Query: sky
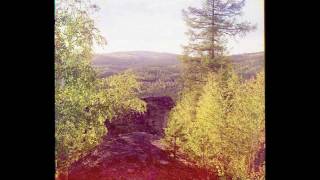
point(157, 25)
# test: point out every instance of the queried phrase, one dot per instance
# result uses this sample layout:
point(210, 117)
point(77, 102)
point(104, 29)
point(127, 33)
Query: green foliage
point(179, 122)
point(81, 112)
point(196, 69)
point(211, 24)
point(82, 100)
point(167, 80)
point(194, 72)
point(203, 138)
point(225, 129)
point(159, 81)
point(75, 34)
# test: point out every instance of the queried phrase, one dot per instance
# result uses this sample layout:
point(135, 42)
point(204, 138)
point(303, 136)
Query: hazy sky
point(157, 25)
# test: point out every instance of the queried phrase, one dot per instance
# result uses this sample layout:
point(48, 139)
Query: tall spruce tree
point(210, 25)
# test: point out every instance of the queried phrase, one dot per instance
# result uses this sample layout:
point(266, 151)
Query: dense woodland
point(218, 121)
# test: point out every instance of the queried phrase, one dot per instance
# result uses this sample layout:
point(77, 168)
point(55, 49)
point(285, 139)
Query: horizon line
point(163, 52)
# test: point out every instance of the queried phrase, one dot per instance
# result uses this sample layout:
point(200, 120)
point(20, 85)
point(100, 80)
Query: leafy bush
point(225, 126)
point(82, 100)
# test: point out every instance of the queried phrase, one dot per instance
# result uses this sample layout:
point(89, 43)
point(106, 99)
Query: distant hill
point(136, 58)
point(159, 72)
point(111, 63)
point(114, 62)
point(247, 65)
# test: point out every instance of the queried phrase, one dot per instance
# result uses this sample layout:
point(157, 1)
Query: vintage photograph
point(159, 90)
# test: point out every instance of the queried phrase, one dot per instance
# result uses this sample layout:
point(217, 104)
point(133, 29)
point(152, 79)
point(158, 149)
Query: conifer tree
point(210, 27)
point(211, 24)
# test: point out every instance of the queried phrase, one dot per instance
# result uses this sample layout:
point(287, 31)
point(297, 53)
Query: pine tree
point(210, 25)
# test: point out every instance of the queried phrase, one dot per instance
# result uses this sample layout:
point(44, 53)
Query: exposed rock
point(132, 156)
point(132, 150)
point(153, 121)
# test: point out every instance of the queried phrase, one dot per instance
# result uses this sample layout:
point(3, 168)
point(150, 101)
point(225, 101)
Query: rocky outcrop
point(136, 155)
point(132, 150)
point(153, 121)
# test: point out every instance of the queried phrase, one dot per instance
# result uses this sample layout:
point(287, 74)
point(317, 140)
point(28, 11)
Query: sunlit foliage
point(211, 24)
point(180, 119)
point(83, 101)
point(225, 130)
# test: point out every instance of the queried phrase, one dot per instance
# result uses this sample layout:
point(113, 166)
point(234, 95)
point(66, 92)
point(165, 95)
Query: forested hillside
point(160, 73)
point(111, 63)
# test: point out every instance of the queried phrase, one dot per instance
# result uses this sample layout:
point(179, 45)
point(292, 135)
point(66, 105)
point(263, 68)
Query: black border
point(28, 71)
point(287, 112)
point(30, 91)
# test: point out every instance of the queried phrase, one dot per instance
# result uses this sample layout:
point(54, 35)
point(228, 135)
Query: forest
point(160, 73)
point(216, 122)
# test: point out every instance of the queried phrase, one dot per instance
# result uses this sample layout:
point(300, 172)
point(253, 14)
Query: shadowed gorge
point(153, 121)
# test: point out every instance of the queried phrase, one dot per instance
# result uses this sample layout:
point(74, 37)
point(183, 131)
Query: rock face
point(135, 155)
point(153, 121)
point(132, 150)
